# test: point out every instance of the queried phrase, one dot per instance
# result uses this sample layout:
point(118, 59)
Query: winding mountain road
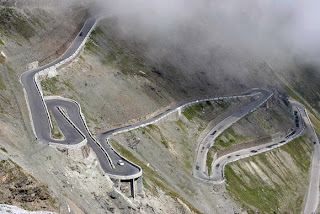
point(312, 198)
point(67, 114)
point(72, 124)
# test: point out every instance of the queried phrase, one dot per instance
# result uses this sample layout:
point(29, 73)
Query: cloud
point(198, 28)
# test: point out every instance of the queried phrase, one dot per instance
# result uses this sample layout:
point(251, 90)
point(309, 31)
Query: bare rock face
point(21, 189)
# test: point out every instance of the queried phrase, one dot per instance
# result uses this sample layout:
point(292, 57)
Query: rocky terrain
point(20, 189)
point(117, 82)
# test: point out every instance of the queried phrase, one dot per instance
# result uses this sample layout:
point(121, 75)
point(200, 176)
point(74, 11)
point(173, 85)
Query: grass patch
point(12, 21)
point(228, 138)
point(263, 198)
point(1, 42)
point(181, 126)
point(90, 46)
point(155, 128)
point(2, 83)
point(165, 143)
point(109, 59)
point(209, 162)
point(68, 84)
point(294, 148)
point(82, 58)
point(50, 84)
point(187, 163)
point(258, 196)
point(3, 149)
point(200, 129)
point(193, 111)
point(97, 31)
point(315, 122)
point(56, 133)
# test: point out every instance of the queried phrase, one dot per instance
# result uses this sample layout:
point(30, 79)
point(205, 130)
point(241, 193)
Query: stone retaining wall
point(76, 152)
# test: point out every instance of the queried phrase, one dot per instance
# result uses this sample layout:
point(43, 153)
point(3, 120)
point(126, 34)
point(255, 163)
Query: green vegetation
point(259, 196)
point(181, 126)
point(193, 111)
point(90, 46)
point(115, 56)
point(209, 162)
point(130, 65)
point(165, 143)
point(2, 83)
point(96, 31)
point(82, 58)
point(153, 127)
point(200, 129)
point(68, 84)
point(294, 148)
point(187, 162)
point(55, 130)
point(3, 149)
point(50, 84)
point(110, 58)
point(17, 22)
point(1, 42)
point(152, 180)
point(227, 139)
point(57, 135)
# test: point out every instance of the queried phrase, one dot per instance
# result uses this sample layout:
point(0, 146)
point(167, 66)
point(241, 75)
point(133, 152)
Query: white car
point(120, 162)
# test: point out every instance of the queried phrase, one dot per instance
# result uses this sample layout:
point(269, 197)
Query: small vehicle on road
point(253, 151)
point(120, 162)
point(80, 34)
point(217, 165)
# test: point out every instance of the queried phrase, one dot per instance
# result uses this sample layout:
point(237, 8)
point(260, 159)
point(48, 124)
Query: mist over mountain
point(198, 28)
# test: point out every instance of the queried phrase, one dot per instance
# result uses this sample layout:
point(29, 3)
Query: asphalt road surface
point(312, 198)
point(72, 124)
point(67, 114)
point(199, 170)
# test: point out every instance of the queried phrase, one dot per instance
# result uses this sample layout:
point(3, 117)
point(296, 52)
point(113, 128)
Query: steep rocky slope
point(36, 34)
point(117, 82)
point(275, 181)
point(113, 70)
point(20, 189)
